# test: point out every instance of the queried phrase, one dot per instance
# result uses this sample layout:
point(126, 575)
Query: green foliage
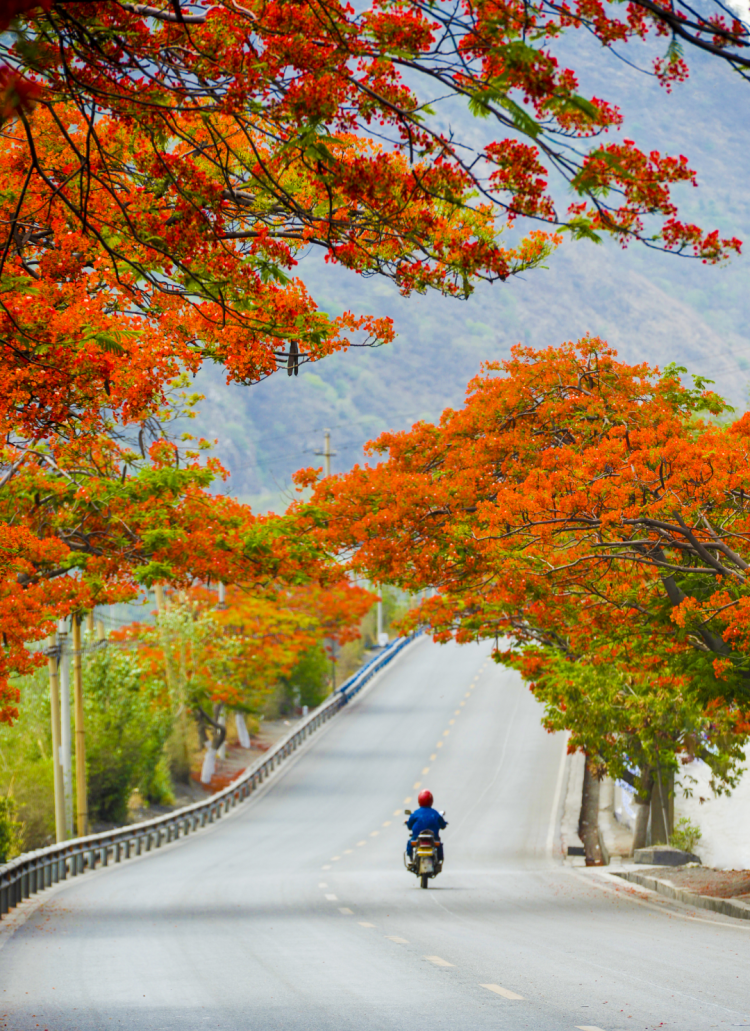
point(308, 681)
point(685, 835)
point(127, 725)
point(307, 684)
point(26, 763)
point(156, 784)
point(11, 835)
point(629, 720)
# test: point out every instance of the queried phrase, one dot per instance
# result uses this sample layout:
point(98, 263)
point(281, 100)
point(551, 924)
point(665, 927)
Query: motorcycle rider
point(425, 819)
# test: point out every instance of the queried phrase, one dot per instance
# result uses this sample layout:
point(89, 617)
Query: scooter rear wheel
point(424, 880)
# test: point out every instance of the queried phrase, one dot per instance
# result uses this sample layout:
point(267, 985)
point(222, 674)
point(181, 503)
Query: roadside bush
point(127, 725)
point(26, 764)
point(308, 683)
point(685, 835)
point(11, 831)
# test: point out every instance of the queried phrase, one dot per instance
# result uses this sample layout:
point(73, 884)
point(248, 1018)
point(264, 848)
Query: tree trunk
point(209, 765)
point(588, 825)
point(643, 808)
point(242, 733)
point(214, 743)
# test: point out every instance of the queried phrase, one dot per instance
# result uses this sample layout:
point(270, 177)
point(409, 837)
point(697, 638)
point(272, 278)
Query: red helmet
point(425, 798)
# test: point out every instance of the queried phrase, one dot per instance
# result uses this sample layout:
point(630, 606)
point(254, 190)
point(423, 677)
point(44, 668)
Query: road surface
point(296, 914)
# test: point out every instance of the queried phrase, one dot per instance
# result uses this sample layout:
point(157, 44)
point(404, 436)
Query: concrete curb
point(663, 886)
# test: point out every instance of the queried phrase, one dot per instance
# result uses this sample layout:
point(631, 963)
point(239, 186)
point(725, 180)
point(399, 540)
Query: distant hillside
point(650, 306)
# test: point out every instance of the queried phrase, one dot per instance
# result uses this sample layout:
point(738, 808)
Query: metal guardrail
point(34, 871)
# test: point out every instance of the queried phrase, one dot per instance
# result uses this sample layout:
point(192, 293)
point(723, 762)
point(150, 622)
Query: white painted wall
point(724, 820)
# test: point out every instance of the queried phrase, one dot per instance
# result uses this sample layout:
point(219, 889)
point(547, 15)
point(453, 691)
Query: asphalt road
point(296, 914)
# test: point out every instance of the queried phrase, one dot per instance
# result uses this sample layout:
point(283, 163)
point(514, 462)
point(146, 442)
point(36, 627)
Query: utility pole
point(57, 771)
point(63, 675)
point(82, 804)
point(326, 452)
point(222, 596)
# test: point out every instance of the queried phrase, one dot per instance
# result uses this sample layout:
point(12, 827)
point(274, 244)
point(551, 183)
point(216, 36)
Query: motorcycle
point(424, 860)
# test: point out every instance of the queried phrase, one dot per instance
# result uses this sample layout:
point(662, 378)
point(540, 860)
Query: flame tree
point(593, 514)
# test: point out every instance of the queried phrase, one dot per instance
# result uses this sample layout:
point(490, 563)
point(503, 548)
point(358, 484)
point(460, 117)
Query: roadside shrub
point(685, 835)
point(26, 764)
point(308, 683)
point(127, 725)
point(11, 831)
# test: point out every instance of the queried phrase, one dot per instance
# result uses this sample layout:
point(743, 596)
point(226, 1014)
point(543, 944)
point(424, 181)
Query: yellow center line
point(374, 834)
point(348, 851)
point(397, 812)
point(406, 801)
point(425, 770)
point(498, 990)
point(418, 785)
point(361, 843)
point(439, 744)
point(446, 733)
point(433, 758)
point(457, 712)
point(451, 722)
point(386, 823)
point(335, 859)
point(398, 941)
point(439, 962)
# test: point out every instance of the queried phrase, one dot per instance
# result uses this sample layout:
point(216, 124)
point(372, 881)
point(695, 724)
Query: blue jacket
point(426, 819)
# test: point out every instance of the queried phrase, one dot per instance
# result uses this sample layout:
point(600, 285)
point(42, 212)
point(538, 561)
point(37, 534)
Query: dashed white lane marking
point(326, 867)
point(587, 1027)
point(398, 941)
point(363, 923)
point(439, 962)
point(348, 851)
point(335, 859)
point(499, 990)
point(322, 884)
point(346, 911)
point(332, 898)
point(360, 843)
